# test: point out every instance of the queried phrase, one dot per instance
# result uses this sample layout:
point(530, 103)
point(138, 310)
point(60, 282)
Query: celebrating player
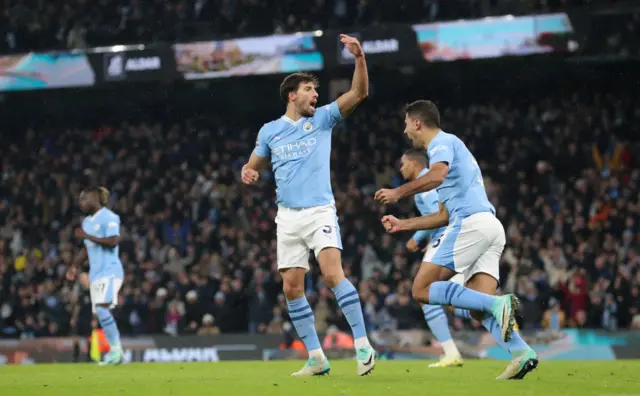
point(101, 233)
point(299, 144)
point(414, 165)
point(472, 242)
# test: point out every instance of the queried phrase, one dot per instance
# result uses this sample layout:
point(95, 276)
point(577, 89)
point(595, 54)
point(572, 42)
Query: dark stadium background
point(537, 125)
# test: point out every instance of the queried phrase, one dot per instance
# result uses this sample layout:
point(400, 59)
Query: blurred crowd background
point(35, 25)
point(198, 247)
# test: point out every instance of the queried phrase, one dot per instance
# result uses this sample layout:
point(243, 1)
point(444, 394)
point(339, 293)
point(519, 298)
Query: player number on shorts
point(99, 287)
point(437, 243)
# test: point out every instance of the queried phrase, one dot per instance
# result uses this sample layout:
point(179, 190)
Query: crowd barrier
point(398, 345)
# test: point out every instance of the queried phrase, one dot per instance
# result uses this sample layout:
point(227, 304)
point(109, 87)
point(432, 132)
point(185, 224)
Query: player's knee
point(331, 267)
point(333, 278)
point(477, 315)
point(102, 311)
point(292, 291)
point(420, 293)
point(293, 287)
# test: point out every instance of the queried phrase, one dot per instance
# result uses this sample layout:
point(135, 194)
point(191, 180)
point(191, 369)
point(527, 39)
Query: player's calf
point(112, 334)
point(439, 325)
point(303, 320)
point(440, 292)
point(348, 300)
point(427, 275)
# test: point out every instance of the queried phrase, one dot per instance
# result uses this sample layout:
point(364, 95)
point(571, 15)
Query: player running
point(472, 242)
point(101, 233)
point(299, 144)
point(414, 165)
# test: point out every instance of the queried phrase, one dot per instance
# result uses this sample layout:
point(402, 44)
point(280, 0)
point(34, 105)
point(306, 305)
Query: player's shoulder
point(441, 142)
point(443, 137)
point(325, 108)
point(107, 214)
point(272, 126)
point(325, 113)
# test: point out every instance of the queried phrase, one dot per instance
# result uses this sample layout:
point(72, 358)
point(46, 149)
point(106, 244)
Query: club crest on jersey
point(96, 227)
point(307, 126)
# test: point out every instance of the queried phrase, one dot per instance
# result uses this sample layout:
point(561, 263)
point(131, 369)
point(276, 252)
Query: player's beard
point(307, 111)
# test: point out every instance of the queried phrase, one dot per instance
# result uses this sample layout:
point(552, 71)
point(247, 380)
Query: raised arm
point(360, 83)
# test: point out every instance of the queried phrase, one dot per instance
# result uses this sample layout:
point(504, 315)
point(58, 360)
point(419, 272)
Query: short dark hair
point(292, 82)
point(425, 111)
point(417, 155)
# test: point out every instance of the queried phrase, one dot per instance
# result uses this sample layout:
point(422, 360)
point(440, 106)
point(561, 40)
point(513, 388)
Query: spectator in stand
point(207, 326)
point(189, 225)
point(47, 25)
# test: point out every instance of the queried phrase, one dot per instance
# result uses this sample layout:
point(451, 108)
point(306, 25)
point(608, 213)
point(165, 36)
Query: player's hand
point(249, 176)
point(79, 233)
point(387, 196)
point(71, 273)
point(412, 245)
point(392, 224)
point(352, 44)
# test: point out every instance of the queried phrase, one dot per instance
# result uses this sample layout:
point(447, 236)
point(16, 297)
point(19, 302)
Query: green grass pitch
point(405, 378)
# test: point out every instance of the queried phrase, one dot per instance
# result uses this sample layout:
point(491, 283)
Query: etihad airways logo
point(295, 149)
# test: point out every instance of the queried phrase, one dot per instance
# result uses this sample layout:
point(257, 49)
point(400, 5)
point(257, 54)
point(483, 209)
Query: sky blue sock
point(516, 343)
point(463, 313)
point(449, 293)
point(109, 326)
point(437, 322)
point(304, 321)
point(349, 301)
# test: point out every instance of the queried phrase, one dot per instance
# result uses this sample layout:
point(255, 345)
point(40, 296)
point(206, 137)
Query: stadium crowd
point(198, 247)
point(36, 25)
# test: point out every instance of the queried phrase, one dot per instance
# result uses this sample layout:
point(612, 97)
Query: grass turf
point(407, 378)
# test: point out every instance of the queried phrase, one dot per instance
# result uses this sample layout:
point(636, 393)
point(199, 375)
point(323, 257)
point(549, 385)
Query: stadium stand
point(54, 25)
point(199, 247)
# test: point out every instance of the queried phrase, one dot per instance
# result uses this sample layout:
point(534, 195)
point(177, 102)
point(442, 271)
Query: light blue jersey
point(103, 261)
point(301, 156)
point(462, 192)
point(427, 203)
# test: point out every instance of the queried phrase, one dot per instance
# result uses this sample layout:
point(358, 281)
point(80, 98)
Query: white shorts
point(302, 230)
point(458, 278)
point(105, 291)
point(469, 246)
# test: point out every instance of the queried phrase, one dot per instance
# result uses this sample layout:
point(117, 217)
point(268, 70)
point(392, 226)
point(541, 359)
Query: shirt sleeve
point(442, 151)
point(112, 226)
point(262, 147)
point(420, 236)
point(330, 114)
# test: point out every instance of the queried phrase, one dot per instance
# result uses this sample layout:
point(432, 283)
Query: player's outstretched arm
point(427, 182)
point(428, 222)
point(360, 83)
